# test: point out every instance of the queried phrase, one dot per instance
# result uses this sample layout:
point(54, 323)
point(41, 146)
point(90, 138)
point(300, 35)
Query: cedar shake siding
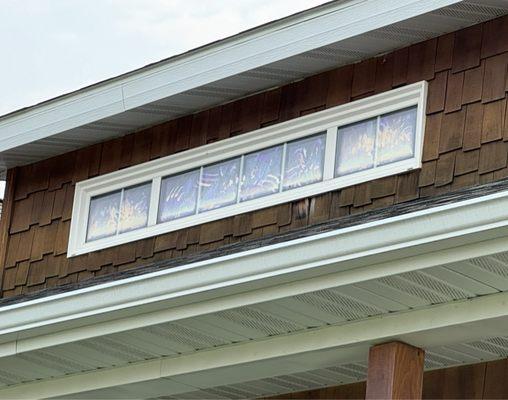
point(465, 145)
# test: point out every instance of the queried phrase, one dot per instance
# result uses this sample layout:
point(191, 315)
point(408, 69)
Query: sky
point(51, 47)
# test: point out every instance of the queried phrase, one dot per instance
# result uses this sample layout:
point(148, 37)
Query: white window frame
point(323, 121)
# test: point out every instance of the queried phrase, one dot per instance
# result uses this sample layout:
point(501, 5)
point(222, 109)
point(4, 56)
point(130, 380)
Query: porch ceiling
point(334, 34)
point(392, 299)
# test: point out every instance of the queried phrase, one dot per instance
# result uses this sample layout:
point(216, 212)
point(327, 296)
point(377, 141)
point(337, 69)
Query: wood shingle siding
point(464, 145)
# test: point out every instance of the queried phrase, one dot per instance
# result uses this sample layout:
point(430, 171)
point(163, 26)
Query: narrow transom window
point(356, 142)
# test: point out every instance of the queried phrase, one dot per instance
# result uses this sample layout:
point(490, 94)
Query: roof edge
point(307, 30)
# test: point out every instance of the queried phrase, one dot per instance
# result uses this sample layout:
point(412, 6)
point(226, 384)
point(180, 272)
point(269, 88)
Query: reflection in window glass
point(219, 185)
point(355, 147)
point(261, 173)
point(134, 210)
point(178, 196)
point(396, 137)
point(304, 162)
point(103, 216)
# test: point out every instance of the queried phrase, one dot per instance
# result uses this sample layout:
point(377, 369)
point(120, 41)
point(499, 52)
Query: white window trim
point(322, 121)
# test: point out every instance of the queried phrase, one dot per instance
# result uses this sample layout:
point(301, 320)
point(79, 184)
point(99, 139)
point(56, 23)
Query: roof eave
point(330, 23)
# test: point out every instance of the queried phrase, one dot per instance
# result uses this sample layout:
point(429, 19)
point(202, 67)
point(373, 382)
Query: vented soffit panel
point(334, 34)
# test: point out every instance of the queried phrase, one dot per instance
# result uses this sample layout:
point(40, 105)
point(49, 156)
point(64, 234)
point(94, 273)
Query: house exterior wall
point(477, 381)
point(465, 145)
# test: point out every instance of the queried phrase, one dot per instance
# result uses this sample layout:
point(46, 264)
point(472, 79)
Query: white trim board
point(249, 50)
point(418, 240)
point(320, 122)
point(439, 325)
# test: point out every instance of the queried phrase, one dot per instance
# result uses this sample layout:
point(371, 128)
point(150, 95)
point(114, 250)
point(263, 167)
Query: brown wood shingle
point(427, 173)
point(432, 137)
point(339, 86)
point(466, 161)
point(494, 79)
point(364, 75)
point(454, 92)
point(444, 169)
point(493, 156)
point(493, 118)
point(384, 73)
point(473, 84)
point(495, 33)
point(407, 187)
point(444, 52)
point(21, 216)
point(473, 126)
point(452, 131)
point(421, 61)
point(270, 108)
point(437, 93)
point(400, 66)
point(466, 51)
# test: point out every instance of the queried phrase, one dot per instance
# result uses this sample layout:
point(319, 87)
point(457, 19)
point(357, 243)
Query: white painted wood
point(154, 201)
point(330, 151)
point(323, 121)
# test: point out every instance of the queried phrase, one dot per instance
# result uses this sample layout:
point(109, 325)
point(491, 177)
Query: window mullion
point(242, 162)
point(283, 166)
point(330, 151)
point(119, 212)
point(376, 140)
point(198, 200)
point(153, 209)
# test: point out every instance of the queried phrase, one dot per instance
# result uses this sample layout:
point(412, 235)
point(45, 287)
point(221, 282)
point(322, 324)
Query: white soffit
point(319, 39)
point(210, 352)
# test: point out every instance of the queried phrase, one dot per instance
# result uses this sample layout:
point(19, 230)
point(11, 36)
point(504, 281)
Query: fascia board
point(437, 236)
point(226, 58)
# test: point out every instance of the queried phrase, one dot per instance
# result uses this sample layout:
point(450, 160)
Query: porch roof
point(433, 274)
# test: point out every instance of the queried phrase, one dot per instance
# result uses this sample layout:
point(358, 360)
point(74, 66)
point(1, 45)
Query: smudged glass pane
point(103, 216)
point(179, 195)
point(396, 137)
point(219, 185)
point(304, 162)
point(355, 147)
point(135, 204)
point(261, 173)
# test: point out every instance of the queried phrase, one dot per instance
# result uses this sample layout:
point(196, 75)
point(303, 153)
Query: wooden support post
point(395, 371)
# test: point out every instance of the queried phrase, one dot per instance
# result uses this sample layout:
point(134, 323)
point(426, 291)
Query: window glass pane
point(219, 184)
point(261, 173)
point(103, 216)
point(304, 161)
point(135, 204)
point(355, 147)
point(179, 195)
point(396, 138)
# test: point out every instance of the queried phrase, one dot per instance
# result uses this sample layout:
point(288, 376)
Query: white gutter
point(258, 47)
point(417, 240)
